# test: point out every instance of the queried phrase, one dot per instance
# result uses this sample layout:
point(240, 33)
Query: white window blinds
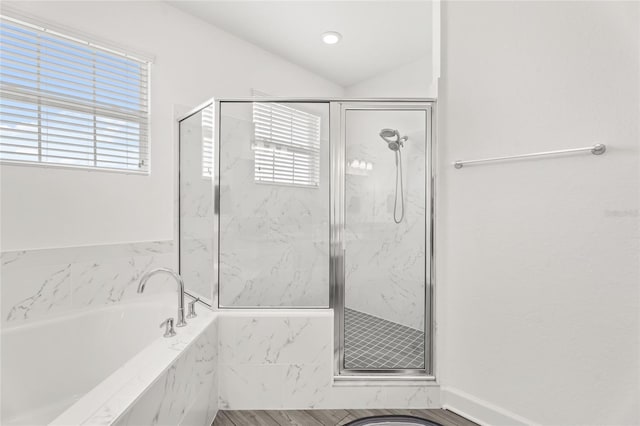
point(287, 145)
point(207, 142)
point(67, 102)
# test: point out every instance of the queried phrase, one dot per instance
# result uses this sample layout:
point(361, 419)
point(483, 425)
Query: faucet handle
point(192, 308)
point(169, 331)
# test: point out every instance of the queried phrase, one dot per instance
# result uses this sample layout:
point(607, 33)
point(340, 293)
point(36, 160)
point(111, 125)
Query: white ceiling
point(377, 35)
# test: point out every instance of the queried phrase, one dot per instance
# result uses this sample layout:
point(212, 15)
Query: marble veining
point(307, 385)
point(284, 360)
point(99, 283)
point(7, 258)
point(274, 239)
point(169, 399)
point(385, 262)
point(162, 384)
point(273, 340)
point(43, 290)
point(38, 283)
point(77, 254)
point(197, 227)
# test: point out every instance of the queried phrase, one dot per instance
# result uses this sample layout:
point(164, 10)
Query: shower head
point(389, 133)
point(392, 138)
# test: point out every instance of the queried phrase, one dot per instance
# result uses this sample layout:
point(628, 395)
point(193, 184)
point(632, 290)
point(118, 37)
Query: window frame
point(85, 40)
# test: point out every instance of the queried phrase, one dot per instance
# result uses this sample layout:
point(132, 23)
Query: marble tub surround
point(72, 364)
point(168, 382)
point(274, 239)
point(45, 282)
point(284, 360)
point(385, 261)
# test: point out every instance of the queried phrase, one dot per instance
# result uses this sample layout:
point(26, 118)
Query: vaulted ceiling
point(377, 35)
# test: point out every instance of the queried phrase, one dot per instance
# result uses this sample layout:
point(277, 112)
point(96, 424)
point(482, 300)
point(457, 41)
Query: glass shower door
point(386, 238)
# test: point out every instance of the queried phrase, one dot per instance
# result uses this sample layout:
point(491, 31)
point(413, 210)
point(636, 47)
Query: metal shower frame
point(337, 163)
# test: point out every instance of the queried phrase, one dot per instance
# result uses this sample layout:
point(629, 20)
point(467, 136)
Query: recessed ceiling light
point(331, 37)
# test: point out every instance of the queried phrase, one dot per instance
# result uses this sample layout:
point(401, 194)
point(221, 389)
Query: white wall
point(413, 80)
point(538, 272)
point(44, 208)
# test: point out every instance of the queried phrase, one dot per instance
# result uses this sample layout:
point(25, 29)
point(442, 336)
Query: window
point(207, 142)
point(287, 145)
point(68, 102)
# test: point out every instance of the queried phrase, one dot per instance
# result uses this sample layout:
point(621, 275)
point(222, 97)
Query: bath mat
point(392, 421)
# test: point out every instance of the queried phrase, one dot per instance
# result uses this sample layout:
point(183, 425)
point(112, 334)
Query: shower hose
point(397, 219)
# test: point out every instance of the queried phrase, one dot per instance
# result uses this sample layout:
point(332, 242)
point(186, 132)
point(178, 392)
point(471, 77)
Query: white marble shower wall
point(284, 360)
point(385, 261)
point(274, 239)
point(197, 227)
point(44, 282)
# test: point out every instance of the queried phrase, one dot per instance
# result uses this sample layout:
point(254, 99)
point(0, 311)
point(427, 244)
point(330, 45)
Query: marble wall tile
point(284, 360)
point(274, 339)
point(245, 386)
point(273, 359)
point(385, 261)
point(197, 225)
point(38, 283)
point(178, 393)
point(35, 292)
point(307, 385)
point(77, 254)
point(197, 266)
point(205, 405)
point(274, 239)
point(310, 386)
point(100, 283)
point(250, 265)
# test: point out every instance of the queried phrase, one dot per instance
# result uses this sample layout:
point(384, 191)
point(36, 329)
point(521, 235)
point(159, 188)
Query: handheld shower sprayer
point(395, 142)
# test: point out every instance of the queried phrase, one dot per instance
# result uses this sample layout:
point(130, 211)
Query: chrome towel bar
point(597, 149)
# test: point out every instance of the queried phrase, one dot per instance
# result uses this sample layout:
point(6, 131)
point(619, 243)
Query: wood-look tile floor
point(327, 417)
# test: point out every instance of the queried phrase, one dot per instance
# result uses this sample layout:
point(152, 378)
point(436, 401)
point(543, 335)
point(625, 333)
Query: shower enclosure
point(315, 204)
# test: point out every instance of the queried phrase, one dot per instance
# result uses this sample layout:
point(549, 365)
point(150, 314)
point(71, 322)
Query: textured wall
point(131, 208)
point(412, 80)
point(538, 260)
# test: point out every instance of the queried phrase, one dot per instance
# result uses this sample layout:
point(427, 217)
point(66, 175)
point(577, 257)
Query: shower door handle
point(216, 199)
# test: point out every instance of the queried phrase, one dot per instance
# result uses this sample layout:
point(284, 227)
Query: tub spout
point(143, 282)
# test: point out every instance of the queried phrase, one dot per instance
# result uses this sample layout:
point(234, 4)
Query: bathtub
point(100, 366)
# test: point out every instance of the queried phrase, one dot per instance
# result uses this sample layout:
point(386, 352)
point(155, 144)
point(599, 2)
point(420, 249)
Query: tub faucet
point(143, 281)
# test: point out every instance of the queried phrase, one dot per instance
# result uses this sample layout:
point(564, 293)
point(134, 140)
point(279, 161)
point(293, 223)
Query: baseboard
point(480, 411)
